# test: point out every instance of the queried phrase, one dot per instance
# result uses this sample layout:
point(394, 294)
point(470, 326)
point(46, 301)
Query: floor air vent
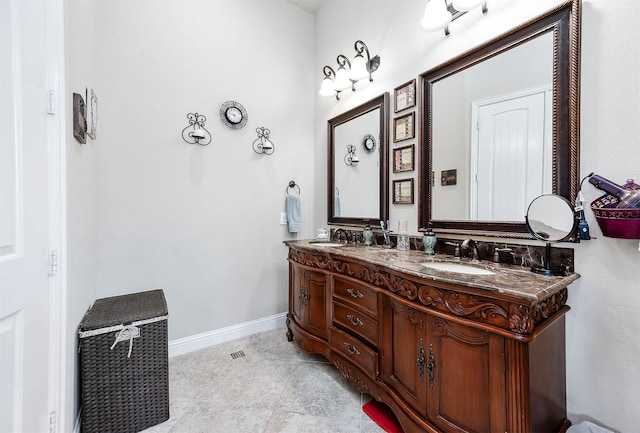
point(236, 355)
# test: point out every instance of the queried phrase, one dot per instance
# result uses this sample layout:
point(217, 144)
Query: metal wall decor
point(351, 158)
point(262, 144)
point(195, 132)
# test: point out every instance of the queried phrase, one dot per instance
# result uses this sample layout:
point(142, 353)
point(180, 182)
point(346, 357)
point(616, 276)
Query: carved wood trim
point(511, 316)
point(352, 375)
point(440, 328)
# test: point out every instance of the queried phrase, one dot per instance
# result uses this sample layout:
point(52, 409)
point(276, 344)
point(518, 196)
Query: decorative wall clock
point(233, 114)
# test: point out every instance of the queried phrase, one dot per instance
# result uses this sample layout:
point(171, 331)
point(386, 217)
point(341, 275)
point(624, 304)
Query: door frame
point(59, 341)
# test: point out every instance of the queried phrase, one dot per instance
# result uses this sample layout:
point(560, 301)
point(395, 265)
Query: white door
point(25, 200)
point(511, 153)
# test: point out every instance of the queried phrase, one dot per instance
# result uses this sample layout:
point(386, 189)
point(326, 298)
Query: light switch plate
point(283, 218)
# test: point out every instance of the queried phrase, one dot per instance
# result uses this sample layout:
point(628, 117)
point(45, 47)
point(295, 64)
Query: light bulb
point(358, 68)
point(327, 89)
point(342, 79)
point(436, 16)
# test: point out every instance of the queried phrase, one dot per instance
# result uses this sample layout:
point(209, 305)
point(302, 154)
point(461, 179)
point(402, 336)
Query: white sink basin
point(327, 244)
point(458, 267)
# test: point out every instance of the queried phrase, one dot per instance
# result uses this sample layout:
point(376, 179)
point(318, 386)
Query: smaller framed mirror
point(550, 218)
point(358, 185)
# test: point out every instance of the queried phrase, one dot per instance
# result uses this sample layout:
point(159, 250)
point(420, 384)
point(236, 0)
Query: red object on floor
point(382, 415)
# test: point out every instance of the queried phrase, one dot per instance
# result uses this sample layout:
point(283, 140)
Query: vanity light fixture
point(439, 14)
point(348, 72)
point(327, 88)
point(342, 81)
point(195, 132)
point(351, 159)
point(262, 144)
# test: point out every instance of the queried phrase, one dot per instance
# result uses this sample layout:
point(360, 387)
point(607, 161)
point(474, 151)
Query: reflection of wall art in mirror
point(403, 159)
point(405, 96)
point(449, 177)
point(403, 191)
point(404, 127)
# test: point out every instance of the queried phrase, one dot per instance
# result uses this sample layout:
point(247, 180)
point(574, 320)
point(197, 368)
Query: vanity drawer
point(362, 297)
point(356, 321)
point(355, 351)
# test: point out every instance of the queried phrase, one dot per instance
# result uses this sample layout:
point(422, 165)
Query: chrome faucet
point(470, 244)
point(341, 235)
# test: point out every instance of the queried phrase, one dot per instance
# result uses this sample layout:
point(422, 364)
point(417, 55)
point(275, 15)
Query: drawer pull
point(351, 349)
point(355, 293)
point(354, 320)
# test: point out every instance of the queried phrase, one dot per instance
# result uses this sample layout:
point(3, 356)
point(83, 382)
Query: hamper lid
point(124, 309)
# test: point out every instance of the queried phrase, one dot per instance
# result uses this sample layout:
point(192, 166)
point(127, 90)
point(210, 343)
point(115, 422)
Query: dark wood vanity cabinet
point(451, 374)
point(443, 357)
point(309, 300)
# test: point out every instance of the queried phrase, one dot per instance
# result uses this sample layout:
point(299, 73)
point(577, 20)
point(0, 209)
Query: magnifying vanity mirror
point(550, 218)
point(358, 184)
point(503, 117)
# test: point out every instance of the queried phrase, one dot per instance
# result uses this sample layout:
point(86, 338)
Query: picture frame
point(404, 158)
point(79, 121)
point(404, 96)
point(403, 191)
point(404, 127)
point(92, 113)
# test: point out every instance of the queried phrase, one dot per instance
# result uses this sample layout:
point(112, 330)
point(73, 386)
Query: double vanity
point(452, 345)
point(449, 345)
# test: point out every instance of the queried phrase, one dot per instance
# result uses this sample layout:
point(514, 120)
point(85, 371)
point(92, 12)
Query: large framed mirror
point(500, 126)
point(358, 183)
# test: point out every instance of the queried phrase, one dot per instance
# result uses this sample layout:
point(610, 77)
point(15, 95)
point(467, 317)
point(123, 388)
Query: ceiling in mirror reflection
point(492, 123)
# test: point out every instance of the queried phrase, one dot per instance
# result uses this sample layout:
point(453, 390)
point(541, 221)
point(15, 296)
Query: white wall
point(603, 380)
point(201, 222)
point(81, 191)
point(148, 210)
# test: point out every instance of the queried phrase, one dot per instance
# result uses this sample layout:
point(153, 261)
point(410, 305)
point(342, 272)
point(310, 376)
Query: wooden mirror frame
point(381, 102)
point(564, 22)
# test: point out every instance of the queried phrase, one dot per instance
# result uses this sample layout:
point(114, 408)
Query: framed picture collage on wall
point(404, 129)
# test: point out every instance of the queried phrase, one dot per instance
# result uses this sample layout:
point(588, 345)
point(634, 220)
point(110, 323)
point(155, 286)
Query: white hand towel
point(294, 213)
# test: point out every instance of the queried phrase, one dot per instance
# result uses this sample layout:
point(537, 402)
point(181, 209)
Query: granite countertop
point(511, 279)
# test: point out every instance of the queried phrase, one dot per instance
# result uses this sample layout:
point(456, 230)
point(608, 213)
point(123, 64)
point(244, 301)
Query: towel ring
point(292, 185)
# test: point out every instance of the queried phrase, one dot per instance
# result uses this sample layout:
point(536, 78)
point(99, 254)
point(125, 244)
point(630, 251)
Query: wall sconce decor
point(262, 144)
point(348, 72)
point(195, 132)
point(439, 14)
point(351, 158)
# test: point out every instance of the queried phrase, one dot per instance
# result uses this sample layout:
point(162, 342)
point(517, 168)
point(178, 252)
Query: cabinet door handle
point(429, 367)
point(420, 361)
point(354, 320)
point(355, 293)
point(351, 349)
point(304, 297)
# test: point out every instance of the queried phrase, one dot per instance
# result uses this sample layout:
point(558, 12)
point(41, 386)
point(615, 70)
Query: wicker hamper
point(124, 363)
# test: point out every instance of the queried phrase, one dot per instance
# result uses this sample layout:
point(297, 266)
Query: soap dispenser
point(429, 241)
point(367, 234)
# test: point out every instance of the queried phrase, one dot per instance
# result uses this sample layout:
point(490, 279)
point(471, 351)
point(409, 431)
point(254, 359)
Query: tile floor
point(274, 388)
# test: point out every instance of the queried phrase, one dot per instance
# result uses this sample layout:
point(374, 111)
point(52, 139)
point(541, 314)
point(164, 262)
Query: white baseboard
point(217, 336)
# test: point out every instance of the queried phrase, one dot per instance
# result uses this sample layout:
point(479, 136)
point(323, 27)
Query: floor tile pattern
point(274, 388)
